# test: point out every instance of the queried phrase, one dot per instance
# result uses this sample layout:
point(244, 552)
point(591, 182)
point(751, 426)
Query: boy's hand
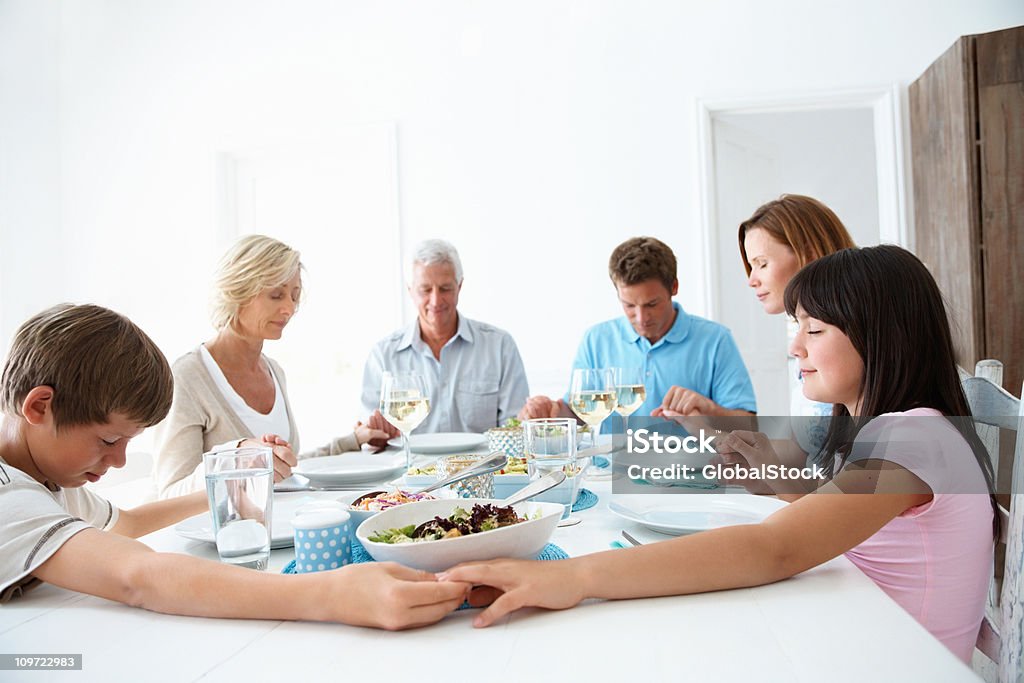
point(391, 596)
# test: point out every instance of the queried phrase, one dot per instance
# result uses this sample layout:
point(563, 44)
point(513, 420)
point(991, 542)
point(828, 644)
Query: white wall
point(535, 135)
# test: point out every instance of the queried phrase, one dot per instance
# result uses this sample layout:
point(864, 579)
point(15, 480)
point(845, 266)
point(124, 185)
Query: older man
point(690, 365)
point(473, 372)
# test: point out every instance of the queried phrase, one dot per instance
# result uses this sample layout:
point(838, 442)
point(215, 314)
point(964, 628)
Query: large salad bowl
point(523, 540)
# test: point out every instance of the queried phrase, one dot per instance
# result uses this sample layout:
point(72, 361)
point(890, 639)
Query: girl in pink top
point(874, 341)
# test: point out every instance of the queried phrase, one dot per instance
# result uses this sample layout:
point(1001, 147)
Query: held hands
point(367, 434)
point(746, 450)
point(390, 596)
point(680, 402)
point(376, 422)
point(508, 585)
point(284, 459)
point(542, 406)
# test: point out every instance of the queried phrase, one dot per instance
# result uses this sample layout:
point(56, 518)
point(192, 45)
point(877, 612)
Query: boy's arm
point(373, 594)
point(147, 518)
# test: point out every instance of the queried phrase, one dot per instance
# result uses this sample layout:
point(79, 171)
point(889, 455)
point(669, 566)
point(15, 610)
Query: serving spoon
point(492, 463)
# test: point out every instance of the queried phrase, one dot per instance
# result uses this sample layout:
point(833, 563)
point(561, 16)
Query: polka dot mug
point(323, 537)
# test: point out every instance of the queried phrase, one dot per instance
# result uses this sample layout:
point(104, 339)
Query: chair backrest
point(1002, 637)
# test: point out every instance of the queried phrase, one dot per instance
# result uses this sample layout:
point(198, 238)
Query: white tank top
point(274, 422)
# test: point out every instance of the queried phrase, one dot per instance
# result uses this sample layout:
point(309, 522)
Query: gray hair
point(435, 252)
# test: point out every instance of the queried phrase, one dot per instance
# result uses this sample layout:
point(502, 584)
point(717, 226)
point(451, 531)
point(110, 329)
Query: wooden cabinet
point(967, 142)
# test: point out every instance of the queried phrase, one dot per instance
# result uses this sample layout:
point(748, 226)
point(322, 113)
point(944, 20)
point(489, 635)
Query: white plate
point(200, 527)
point(689, 513)
point(442, 442)
point(358, 467)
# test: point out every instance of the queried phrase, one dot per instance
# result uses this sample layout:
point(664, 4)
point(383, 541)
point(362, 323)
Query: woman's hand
point(377, 421)
point(284, 459)
point(508, 585)
point(367, 434)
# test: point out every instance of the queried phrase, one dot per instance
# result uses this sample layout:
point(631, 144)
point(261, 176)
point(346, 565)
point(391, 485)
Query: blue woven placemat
point(359, 554)
point(585, 500)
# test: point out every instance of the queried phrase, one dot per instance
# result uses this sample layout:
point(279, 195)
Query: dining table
point(830, 623)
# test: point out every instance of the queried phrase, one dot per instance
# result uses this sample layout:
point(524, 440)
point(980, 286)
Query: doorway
point(843, 149)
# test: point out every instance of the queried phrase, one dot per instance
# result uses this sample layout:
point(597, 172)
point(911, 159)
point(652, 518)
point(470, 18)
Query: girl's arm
point(805, 534)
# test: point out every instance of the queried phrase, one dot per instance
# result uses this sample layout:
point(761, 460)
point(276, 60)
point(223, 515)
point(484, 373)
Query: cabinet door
point(946, 214)
point(1000, 76)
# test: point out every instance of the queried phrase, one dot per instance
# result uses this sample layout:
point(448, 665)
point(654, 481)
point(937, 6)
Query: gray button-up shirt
point(478, 383)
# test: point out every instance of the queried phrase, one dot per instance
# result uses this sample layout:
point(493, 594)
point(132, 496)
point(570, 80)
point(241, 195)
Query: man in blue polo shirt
point(690, 365)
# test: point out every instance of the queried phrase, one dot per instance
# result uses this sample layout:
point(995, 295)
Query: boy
point(79, 383)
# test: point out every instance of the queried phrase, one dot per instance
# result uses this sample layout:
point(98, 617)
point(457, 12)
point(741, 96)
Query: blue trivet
point(584, 501)
point(359, 554)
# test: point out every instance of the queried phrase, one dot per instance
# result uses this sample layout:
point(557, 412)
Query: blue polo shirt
point(696, 354)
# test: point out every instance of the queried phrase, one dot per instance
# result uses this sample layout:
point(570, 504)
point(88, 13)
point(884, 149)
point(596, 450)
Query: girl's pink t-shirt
point(935, 560)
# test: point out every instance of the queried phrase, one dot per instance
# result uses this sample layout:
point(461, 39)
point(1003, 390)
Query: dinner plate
point(358, 467)
point(687, 514)
point(442, 442)
point(200, 527)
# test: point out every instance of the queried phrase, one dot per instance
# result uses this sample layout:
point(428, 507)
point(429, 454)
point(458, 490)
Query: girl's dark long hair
point(889, 306)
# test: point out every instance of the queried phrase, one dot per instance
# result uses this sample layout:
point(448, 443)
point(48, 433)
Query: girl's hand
point(508, 585)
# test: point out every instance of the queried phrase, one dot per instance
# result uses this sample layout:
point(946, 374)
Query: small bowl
point(523, 540)
point(360, 516)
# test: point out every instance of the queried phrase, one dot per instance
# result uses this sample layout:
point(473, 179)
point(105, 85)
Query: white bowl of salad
point(435, 535)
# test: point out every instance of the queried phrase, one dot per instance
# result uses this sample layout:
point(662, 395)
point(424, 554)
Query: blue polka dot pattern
point(321, 549)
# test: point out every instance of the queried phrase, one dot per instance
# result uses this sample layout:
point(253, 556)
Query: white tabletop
point(829, 624)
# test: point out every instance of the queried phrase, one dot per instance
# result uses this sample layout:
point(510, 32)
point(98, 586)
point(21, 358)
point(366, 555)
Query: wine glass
point(405, 404)
point(592, 397)
point(630, 392)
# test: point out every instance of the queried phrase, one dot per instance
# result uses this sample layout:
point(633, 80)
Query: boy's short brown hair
point(642, 258)
point(97, 362)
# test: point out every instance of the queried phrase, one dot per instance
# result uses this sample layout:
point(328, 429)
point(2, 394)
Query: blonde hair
point(97, 362)
point(252, 264)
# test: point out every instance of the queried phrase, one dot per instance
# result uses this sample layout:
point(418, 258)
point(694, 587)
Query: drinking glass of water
point(549, 444)
point(240, 486)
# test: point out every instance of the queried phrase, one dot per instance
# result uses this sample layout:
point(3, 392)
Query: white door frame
point(885, 103)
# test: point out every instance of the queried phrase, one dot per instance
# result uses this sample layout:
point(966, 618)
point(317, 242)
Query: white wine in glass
point(592, 396)
point(405, 404)
point(630, 392)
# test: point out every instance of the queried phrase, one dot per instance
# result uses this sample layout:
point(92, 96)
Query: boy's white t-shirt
point(37, 521)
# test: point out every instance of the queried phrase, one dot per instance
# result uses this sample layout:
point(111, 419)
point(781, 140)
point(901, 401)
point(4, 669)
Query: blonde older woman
point(226, 391)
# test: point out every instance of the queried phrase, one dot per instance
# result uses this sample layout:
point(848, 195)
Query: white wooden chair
point(1001, 638)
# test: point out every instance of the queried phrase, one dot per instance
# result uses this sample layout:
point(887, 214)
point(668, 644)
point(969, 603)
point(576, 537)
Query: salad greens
point(461, 522)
